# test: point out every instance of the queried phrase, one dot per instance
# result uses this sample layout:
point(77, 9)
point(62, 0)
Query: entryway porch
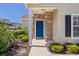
point(39, 48)
point(43, 20)
point(41, 25)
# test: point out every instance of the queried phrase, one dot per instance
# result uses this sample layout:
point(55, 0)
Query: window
point(75, 26)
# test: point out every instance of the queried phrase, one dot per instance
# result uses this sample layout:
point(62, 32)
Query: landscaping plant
point(54, 43)
point(66, 44)
point(73, 48)
point(6, 38)
point(24, 38)
point(18, 32)
point(56, 47)
point(70, 47)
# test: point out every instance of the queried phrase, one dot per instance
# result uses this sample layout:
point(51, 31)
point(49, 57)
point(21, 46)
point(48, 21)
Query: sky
point(13, 11)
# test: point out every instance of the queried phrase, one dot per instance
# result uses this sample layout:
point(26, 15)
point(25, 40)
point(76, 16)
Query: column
point(30, 27)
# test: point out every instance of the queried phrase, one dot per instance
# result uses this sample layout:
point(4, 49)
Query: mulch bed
point(19, 49)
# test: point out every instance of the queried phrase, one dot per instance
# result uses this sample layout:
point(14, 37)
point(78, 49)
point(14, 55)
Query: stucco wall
point(66, 10)
point(55, 25)
point(25, 24)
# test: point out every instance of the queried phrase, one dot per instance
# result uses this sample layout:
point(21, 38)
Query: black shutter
point(68, 25)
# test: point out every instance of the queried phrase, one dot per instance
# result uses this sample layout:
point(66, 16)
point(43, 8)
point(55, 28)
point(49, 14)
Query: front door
point(39, 29)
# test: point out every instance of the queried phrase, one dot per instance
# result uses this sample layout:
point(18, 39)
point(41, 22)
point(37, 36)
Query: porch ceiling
point(42, 10)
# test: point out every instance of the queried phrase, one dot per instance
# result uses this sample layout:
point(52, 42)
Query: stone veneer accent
point(48, 25)
point(47, 16)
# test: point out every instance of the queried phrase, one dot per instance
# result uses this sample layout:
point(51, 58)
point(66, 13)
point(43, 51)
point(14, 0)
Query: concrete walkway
point(39, 48)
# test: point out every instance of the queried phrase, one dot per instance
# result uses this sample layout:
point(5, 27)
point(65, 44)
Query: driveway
point(39, 48)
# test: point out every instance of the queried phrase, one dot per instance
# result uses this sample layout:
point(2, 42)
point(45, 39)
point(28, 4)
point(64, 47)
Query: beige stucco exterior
point(25, 23)
point(56, 21)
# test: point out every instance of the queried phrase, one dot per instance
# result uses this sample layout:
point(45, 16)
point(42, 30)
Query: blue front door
point(39, 29)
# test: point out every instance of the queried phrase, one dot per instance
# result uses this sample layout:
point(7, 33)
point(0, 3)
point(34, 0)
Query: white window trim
point(43, 27)
point(72, 27)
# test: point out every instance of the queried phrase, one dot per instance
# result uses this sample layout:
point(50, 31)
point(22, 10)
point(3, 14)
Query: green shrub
point(56, 47)
point(6, 38)
point(65, 45)
point(72, 48)
point(24, 38)
point(53, 43)
point(18, 32)
point(2, 25)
